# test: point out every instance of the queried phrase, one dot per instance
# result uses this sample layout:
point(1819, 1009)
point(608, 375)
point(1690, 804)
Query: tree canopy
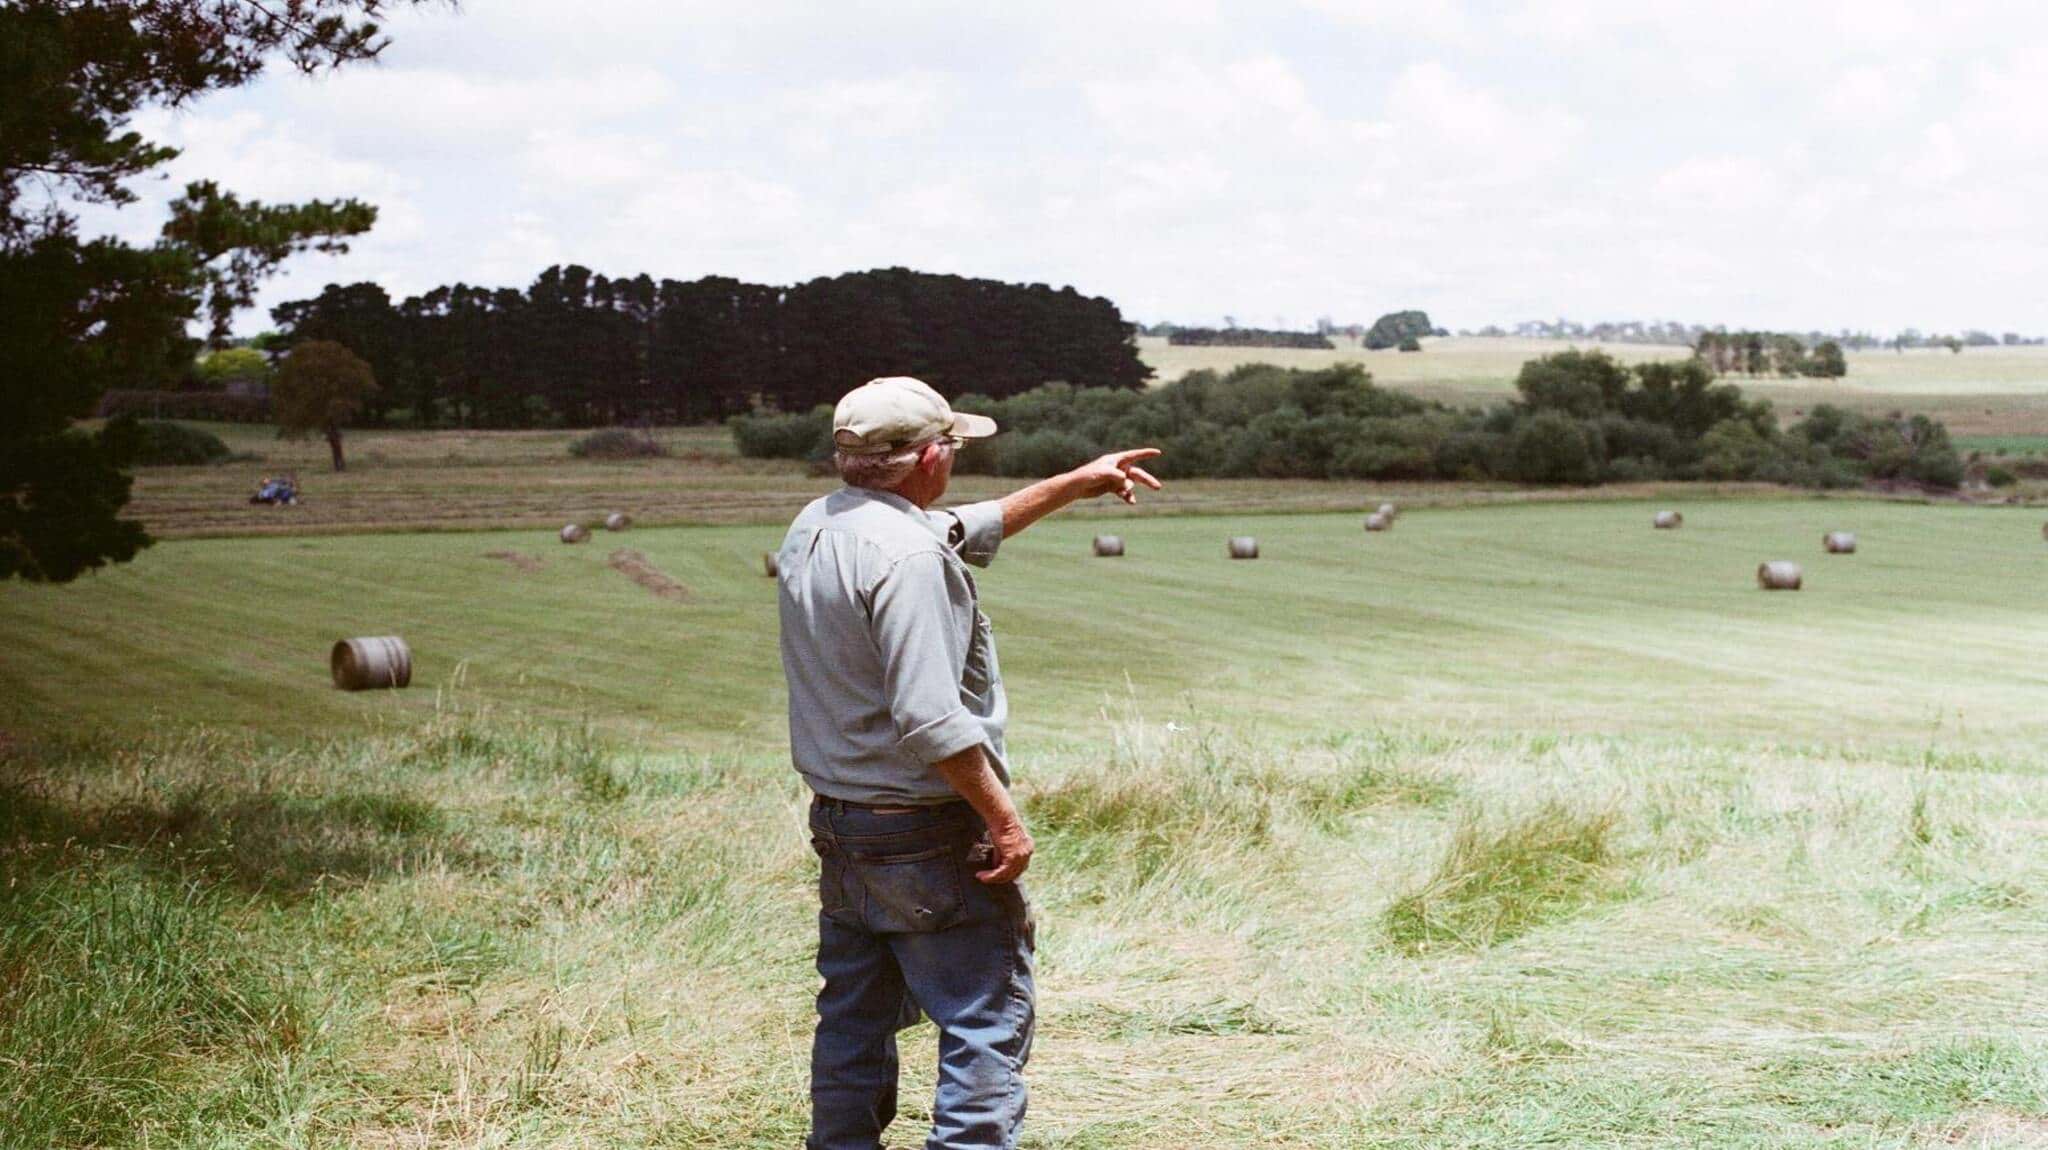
point(319, 390)
point(583, 349)
point(79, 315)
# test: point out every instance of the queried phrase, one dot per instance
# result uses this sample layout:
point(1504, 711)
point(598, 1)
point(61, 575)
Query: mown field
point(1518, 825)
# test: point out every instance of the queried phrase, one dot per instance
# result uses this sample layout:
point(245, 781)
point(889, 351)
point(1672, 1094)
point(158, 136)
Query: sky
point(1794, 164)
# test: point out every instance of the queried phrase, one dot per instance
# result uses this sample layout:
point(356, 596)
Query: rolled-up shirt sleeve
point(977, 531)
point(922, 636)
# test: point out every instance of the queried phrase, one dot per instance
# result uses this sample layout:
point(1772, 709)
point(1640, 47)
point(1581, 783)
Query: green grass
point(1999, 445)
point(1514, 826)
point(1570, 617)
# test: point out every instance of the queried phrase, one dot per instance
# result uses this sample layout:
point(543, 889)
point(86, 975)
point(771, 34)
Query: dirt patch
point(633, 565)
point(518, 559)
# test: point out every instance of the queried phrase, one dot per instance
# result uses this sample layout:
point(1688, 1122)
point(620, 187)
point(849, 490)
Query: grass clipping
point(1497, 882)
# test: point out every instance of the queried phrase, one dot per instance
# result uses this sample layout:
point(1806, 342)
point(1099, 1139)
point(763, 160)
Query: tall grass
point(1497, 882)
point(484, 932)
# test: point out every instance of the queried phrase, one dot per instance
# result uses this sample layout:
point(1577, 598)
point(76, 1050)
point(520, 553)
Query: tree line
point(580, 349)
point(1770, 353)
point(1676, 333)
point(1578, 418)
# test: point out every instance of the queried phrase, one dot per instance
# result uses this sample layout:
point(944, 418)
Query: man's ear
point(928, 460)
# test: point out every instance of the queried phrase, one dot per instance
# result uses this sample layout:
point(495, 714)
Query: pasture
point(1514, 825)
point(1983, 391)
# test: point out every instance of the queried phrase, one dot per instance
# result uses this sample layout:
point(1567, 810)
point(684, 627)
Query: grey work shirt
point(891, 664)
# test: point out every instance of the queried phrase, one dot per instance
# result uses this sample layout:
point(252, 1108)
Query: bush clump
point(160, 443)
point(1579, 418)
point(618, 443)
point(779, 435)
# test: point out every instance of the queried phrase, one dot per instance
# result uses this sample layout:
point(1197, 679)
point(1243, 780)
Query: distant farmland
point(1983, 391)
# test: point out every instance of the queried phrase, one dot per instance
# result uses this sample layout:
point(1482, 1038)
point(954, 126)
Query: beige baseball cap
point(895, 412)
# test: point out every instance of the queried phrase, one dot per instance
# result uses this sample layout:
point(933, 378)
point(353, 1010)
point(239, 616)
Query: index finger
point(1123, 459)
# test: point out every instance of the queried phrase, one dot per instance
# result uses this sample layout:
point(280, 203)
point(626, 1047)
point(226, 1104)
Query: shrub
point(162, 444)
point(2000, 477)
point(1411, 344)
point(617, 443)
point(775, 435)
point(1551, 447)
point(1037, 454)
point(1732, 449)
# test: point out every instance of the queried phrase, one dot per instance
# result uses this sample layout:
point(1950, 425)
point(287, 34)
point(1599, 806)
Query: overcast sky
point(1778, 163)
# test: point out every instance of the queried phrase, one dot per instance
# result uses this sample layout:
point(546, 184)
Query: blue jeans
point(904, 926)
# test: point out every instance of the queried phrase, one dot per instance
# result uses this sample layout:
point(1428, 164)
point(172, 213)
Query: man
point(896, 715)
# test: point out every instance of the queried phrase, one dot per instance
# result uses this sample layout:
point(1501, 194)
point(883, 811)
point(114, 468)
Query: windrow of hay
point(635, 566)
point(519, 560)
point(1498, 881)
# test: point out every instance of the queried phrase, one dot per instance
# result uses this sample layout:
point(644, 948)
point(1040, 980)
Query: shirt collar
point(901, 504)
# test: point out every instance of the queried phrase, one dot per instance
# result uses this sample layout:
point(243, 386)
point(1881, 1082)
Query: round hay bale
point(1839, 542)
point(770, 565)
point(1778, 575)
point(575, 533)
point(1667, 521)
point(617, 521)
point(1378, 521)
point(1388, 510)
point(371, 664)
point(1109, 546)
point(1244, 547)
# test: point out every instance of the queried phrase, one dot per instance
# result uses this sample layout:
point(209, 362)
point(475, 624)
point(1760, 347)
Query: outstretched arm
point(1115, 474)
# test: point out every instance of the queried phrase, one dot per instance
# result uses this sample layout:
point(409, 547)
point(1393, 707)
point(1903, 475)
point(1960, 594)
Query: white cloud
point(1597, 158)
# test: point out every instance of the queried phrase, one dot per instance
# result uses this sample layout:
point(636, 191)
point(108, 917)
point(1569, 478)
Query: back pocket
point(913, 892)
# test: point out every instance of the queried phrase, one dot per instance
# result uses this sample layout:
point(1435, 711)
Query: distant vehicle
point(278, 492)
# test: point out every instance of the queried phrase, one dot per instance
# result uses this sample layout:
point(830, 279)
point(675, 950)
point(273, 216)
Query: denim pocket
point(831, 878)
point(914, 892)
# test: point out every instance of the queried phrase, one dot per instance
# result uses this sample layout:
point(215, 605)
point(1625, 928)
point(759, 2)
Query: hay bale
point(1378, 521)
point(575, 533)
point(1388, 510)
point(1109, 546)
point(371, 664)
point(1778, 575)
point(1667, 521)
point(1244, 547)
point(1839, 542)
point(617, 521)
point(770, 565)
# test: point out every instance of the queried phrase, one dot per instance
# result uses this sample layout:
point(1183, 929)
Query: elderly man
point(896, 714)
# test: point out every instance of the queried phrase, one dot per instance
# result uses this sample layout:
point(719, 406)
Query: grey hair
point(880, 472)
